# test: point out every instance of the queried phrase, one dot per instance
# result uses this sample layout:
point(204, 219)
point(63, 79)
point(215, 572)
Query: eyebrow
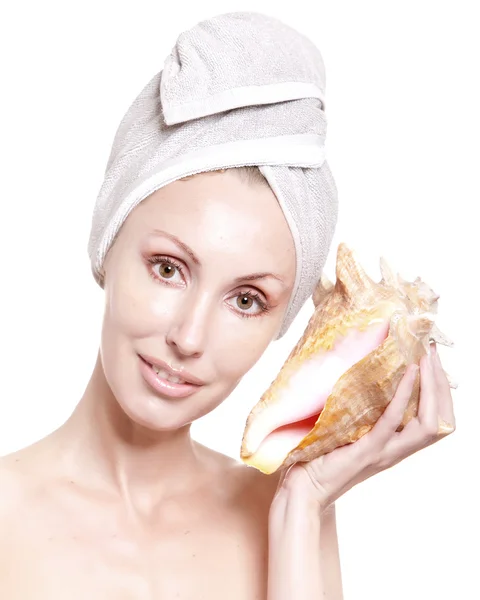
point(193, 256)
point(179, 242)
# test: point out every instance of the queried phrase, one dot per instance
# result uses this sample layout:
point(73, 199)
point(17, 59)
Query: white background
point(403, 108)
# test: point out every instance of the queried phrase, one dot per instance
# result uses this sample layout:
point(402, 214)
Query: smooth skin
point(120, 502)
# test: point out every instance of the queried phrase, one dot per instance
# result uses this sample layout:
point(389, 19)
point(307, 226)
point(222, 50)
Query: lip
point(164, 387)
point(181, 373)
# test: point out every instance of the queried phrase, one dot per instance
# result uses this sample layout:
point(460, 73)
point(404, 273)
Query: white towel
point(238, 89)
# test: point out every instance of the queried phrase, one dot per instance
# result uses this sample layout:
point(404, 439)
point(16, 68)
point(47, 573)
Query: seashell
point(345, 369)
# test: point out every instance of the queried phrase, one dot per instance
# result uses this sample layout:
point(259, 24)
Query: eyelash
point(158, 259)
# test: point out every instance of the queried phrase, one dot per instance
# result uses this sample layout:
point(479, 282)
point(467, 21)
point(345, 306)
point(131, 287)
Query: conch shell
point(343, 372)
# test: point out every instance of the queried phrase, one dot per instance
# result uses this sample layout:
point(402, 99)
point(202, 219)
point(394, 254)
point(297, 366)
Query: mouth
point(169, 373)
point(162, 381)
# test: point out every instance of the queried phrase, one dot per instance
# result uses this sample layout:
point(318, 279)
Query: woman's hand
point(328, 477)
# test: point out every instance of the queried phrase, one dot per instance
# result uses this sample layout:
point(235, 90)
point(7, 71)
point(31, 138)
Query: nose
point(188, 331)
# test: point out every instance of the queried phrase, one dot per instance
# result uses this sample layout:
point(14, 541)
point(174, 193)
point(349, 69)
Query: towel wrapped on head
point(238, 89)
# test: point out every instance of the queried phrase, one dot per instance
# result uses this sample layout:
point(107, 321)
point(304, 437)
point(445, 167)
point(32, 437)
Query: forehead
point(219, 212)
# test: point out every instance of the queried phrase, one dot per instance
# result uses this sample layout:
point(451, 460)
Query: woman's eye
point(165, 269)
point(244, 302)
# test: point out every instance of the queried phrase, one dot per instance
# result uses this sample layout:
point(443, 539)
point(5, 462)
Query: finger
point(429, 426)
point(283, 475)
point(427, 402)
point(445, 400)
point(392, 417)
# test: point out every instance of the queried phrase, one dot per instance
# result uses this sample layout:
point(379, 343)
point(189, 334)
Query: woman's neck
point(104, 447)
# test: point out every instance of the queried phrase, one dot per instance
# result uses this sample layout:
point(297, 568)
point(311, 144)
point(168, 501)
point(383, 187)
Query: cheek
point(138, 308)
point(237, 354)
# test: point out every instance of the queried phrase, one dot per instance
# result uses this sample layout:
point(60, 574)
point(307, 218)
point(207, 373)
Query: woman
point(120, 502)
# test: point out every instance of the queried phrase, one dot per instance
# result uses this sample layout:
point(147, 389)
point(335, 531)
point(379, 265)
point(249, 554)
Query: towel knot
point(239, 59)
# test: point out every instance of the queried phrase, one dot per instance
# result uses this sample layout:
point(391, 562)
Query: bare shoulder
point(263, 488)
point(14, 486)
point(256, 482)
point(243, 480)
point(10, 487)
point(12, 479)
point(256, 492)
point(259, 489)
point(18, 477)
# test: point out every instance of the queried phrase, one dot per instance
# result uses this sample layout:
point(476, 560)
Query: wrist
point(295, 546)
point(300, 487)
point(298, 502)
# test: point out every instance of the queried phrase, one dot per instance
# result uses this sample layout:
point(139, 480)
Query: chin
point(155, 413)
point(150, 409)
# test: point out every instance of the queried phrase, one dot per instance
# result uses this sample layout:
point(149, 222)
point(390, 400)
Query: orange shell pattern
point(362, 392)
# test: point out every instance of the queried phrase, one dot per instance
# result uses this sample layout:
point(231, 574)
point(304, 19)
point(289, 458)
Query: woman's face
point(183, 285)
